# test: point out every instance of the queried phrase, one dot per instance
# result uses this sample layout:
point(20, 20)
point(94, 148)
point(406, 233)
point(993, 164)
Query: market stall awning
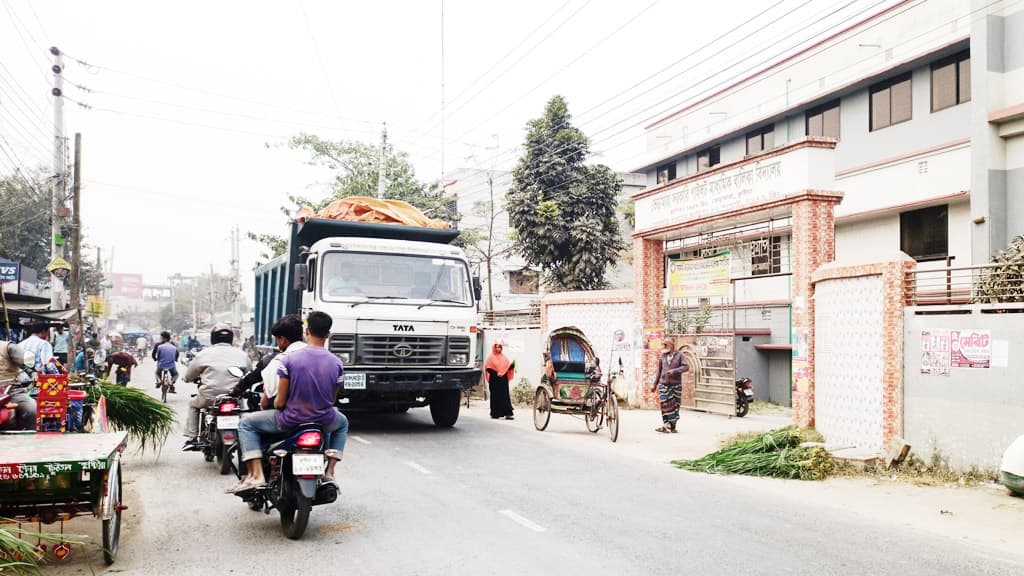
point(45, 315)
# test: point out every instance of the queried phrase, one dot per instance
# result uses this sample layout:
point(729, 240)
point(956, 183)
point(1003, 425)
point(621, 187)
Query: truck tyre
point(444, 407)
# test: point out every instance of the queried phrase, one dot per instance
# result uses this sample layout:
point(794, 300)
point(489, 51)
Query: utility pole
point(236, 288)
point(76, 239)
point(57, 191)
point(381, 176)
point(213, 311)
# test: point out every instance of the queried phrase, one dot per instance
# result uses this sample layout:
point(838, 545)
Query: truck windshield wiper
point(369, 298)
point(441, 301)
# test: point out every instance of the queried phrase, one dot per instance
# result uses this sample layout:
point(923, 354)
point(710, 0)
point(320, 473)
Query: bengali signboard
point(127, 285)
point(945, 349)
point(699, 278)
point(970, 348)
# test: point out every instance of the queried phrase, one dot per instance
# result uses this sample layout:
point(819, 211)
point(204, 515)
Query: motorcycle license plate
point(748, 392)
point(307, 464)
point(227, 422)
point(355, 382)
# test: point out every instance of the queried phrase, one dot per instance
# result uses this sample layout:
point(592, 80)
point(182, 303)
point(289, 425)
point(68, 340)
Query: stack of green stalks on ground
point(147, 420)
point(777, 454)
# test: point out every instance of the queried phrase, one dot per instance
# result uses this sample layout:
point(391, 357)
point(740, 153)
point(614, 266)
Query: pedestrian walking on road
point(500, 371)
point(669, 385)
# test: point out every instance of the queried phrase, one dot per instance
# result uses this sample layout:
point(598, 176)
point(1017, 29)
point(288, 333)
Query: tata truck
point(403, 304)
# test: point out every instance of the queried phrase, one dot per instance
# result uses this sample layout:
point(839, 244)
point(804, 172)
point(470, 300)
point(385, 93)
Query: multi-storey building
point(910, 125)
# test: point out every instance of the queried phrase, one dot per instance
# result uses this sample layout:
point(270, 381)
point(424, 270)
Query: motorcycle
point(23, 380)
point(744, 396)
point(293, 464)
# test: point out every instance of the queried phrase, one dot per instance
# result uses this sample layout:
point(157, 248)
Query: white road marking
point(525, 522)
point(418, 468)
point(360, 439)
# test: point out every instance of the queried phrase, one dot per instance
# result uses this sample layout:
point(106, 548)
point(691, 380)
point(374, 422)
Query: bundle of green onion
point(777, 454)
point(18, 556)
point(147, 420)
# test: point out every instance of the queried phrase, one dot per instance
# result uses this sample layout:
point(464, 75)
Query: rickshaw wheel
point(593, 419)
point(612, 416)
point(541, 409)
point(112, 527)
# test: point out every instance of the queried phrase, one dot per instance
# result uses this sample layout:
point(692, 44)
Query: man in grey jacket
point(210, 368)
point(669, 385)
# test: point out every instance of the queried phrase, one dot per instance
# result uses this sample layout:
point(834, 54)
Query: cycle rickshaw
point(578, 389)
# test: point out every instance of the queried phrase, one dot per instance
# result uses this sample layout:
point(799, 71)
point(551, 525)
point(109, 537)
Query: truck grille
point(400, 350)
point(457, 344)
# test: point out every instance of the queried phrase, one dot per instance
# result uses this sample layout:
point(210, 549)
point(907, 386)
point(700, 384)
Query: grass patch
point(935, 471)
point(777, 454)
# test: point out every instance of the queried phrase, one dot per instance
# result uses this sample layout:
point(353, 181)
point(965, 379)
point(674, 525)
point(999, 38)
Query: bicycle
point(166, 383)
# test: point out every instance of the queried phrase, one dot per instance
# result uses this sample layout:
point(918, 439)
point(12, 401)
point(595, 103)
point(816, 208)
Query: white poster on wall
point(935, 350)
point(970, 348)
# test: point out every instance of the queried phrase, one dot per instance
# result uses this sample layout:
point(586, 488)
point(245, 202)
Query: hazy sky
point(192, 101)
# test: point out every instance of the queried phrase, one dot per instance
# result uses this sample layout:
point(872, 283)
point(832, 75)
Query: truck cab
point(404, 307)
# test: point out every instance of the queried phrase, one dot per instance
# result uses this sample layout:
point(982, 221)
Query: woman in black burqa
point(499, 372)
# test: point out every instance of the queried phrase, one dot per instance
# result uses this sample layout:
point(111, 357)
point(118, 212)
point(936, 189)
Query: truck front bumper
point(390, 381)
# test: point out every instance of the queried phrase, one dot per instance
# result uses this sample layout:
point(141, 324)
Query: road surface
point(488, 497)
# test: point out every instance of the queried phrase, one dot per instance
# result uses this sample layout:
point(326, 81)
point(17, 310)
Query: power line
point(517, 61)
point(316, 50)
point(496, 64)
point(707, 59)
point(25, 41)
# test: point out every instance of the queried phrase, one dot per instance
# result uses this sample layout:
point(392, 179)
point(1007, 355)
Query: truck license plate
point(355, 382)
point(307, 464)
point(227, 422)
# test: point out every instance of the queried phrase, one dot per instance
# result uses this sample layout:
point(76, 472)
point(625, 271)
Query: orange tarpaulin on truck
point(372, 210)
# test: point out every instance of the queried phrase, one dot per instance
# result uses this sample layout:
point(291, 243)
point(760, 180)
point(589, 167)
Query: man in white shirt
point(288, 334)
point(39, 345)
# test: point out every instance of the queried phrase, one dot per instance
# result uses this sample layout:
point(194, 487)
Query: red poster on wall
point(970, 348)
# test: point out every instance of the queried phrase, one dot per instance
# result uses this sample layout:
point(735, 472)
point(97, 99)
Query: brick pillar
point(894, 293)
point(813, 244)
point(649, 281)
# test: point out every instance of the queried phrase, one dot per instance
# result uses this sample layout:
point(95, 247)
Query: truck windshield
point(356, 276)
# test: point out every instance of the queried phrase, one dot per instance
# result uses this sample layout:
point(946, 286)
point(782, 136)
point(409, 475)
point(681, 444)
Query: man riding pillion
point(210, 367)
point(308, 386)
point(12, 358)
point(287, 333)
point(166, 355)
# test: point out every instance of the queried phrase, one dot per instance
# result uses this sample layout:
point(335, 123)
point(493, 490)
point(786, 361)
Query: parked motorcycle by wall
point(744, 396)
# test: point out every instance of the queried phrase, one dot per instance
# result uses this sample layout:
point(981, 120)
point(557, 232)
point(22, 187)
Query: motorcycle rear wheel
point(294, 509)
point(742, 406)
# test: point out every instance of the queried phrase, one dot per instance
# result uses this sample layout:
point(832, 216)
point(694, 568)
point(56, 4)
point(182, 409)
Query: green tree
point(25, 219)
point(355, 165)
point(563, 211)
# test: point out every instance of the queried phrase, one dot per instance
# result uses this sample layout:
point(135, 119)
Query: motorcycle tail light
point(309, 439)
point(227, 407)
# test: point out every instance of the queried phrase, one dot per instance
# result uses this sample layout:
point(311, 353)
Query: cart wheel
point(593, 418)
point(112, 527)
point(612, 416)
point(541, 409)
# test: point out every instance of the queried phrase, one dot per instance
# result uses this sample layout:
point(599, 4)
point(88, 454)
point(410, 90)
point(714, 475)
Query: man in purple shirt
point(307, 390)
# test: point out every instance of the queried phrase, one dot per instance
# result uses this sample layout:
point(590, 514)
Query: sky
point(185, 108)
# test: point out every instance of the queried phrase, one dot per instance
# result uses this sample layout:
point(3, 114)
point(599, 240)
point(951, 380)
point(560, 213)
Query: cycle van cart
point(51, 477)
point(577, 390)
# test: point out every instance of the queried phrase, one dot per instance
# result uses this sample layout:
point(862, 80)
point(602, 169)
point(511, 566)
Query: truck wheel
point(444, 407)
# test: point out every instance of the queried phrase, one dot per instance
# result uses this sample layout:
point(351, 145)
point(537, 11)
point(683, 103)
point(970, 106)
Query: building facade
point(902, 133)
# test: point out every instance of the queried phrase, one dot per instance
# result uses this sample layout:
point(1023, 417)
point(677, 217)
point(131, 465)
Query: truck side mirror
point(478, 289)
point(300, 276)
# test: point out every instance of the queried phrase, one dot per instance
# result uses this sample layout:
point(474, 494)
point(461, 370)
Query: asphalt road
point(489, 498)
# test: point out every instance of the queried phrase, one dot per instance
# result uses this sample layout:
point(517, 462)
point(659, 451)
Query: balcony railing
point(985, 284)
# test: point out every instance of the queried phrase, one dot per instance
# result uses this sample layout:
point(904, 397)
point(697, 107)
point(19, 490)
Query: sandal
point(245, 486)
point(663, 429)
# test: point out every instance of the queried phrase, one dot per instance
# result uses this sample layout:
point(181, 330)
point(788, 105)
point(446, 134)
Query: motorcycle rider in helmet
point(210, 368)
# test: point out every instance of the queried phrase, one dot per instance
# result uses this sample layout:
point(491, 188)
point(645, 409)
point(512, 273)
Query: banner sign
point(9, 271)
point(935, 352)
point(699, 278)
point(970, 348)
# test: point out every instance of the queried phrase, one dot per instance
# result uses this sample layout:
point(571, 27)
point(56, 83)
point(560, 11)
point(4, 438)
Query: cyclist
point(210, 367)
point(166, 355)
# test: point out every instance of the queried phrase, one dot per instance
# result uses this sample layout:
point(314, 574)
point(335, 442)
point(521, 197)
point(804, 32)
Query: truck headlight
point(459, 358)
point(345, 356)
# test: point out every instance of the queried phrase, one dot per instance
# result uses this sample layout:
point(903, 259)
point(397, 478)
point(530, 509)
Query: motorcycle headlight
point(459, 358)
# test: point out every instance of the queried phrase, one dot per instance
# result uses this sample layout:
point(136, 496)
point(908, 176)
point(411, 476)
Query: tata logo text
point(403, 327)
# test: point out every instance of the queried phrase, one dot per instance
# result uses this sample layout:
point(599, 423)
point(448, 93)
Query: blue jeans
point(265, 422)
point(173, 370)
